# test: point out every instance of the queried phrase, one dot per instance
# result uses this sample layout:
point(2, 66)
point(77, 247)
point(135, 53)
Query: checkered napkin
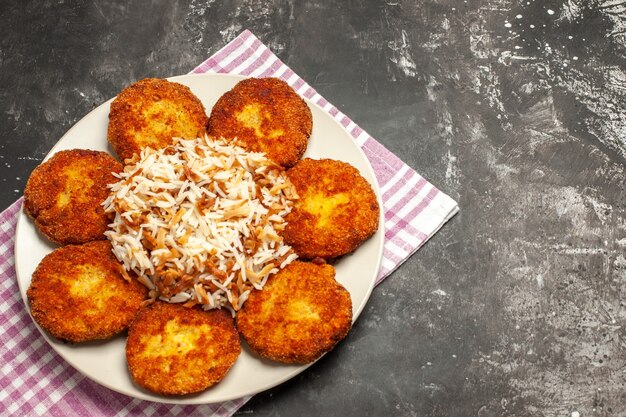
point(34, 380)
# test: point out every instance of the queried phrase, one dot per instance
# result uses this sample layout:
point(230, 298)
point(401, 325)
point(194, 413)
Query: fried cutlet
point(65, 193)
point(151, 112)
point(337, 209)
point(264, 115)
point(78, 293)
point(175, 350)
point(300, 314)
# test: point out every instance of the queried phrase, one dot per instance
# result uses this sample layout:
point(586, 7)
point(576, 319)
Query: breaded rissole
point(79, 293)
point(175, 350)
point(151, 112)
point(336, 212)
point(301, 313)
point(265, 115)
point(65, 193)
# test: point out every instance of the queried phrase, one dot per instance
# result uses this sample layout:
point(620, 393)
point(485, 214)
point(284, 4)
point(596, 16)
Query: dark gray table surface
point(517, 109)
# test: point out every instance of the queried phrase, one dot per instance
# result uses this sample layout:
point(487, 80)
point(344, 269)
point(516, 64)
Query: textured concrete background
point(515, 108)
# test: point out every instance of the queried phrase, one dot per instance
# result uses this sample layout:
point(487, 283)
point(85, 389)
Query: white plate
point(105, 362)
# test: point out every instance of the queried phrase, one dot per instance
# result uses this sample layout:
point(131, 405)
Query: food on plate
point(337, 209)
point(264, 115)
point(151, 112)
point(174, 350)
point(198, 221)
point(302, 313)
point(206, 219)
point(81, 293)
point(65, 193)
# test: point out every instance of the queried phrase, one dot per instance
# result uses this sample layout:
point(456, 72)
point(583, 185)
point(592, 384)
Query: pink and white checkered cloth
point(34, 380)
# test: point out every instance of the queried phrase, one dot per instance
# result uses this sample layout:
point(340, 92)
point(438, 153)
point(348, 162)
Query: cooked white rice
point(198, 221)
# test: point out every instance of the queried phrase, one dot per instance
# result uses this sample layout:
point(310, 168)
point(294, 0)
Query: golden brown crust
point(151, 112)
point(77, 293)
point(300, 314)
point(65, 193)
point(336, 212)
point(265, 115)
point(174, 350)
